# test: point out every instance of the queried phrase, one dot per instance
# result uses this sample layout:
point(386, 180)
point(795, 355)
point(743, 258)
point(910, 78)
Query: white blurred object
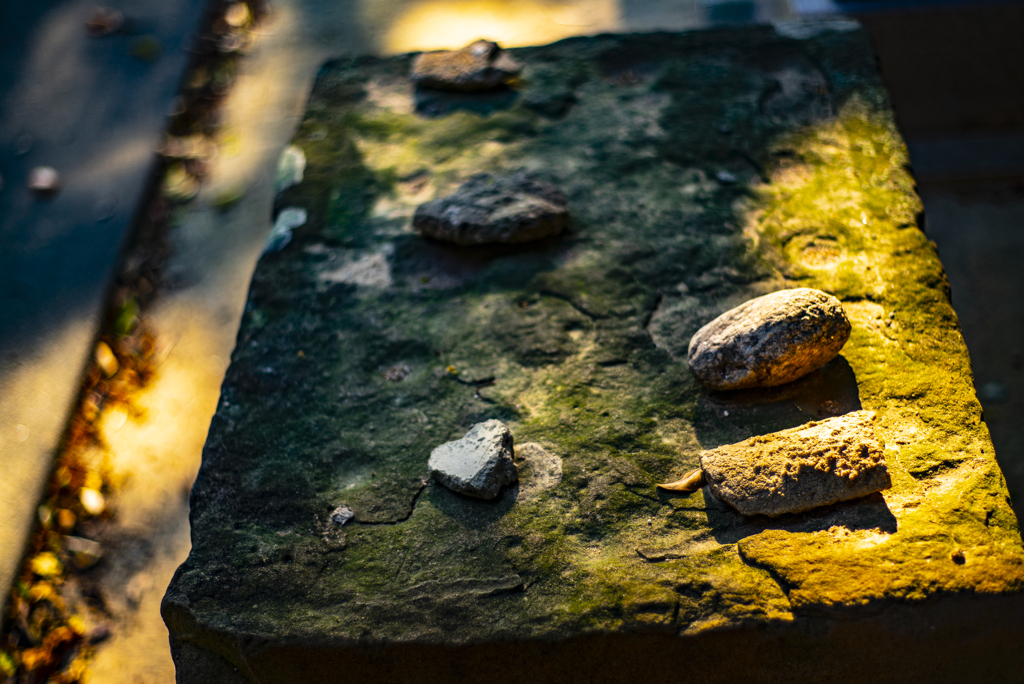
point(281, 233)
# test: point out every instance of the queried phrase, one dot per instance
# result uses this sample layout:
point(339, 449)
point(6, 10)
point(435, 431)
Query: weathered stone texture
point(770, 340)
point(486, 209)
point(582, 570)
point(795, 470)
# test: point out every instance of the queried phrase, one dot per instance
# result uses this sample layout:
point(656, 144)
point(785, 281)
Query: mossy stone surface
point(364, 346)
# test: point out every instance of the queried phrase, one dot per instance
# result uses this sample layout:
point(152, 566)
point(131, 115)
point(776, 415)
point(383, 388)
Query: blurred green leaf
point(127, 318)
point(8, 666)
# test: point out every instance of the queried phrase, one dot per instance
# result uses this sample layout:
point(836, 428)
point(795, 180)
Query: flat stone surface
point(479, 464)
point(770, 340)
point(579, 346)
point(795, 470)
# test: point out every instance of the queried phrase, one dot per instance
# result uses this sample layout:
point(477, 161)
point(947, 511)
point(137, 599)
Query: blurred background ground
point(955, 70)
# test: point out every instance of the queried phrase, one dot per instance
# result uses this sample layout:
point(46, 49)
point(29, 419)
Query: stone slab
point(701, 170)
point(89, 108)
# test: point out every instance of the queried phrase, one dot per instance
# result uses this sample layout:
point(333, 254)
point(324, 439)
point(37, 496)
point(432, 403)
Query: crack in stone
point(480, 587)
point(659, 557)
point(568, 300)
point(650, 314)
point(412, 508)
point(632, 489)
point(785, 586)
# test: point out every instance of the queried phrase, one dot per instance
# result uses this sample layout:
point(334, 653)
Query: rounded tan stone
point(770, 340)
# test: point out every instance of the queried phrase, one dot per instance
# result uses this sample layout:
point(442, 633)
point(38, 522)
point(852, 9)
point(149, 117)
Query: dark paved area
point(94, 110)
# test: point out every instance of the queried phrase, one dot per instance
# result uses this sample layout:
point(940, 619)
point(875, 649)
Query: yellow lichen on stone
point(843, 221)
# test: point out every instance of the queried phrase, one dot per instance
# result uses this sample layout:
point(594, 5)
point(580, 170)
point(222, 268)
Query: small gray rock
point(479, 464)
point(794, 470)
point(481, 65)
point(341, 515)
point(487, 209)
point(44, 180)
point(726, 178)
point(770, 340)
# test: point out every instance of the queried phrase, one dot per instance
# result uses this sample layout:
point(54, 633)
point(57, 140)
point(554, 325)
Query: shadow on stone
point(433, 264)
point(476, 514)
point(867, 513)
point(730, 417)
point(432, 103)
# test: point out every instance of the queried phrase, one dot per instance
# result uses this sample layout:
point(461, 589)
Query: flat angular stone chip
point(769, 340)
point(479, 464)
point(488, 209)
point(795, 470)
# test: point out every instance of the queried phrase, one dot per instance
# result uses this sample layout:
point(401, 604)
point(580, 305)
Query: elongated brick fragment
point(794, 470)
